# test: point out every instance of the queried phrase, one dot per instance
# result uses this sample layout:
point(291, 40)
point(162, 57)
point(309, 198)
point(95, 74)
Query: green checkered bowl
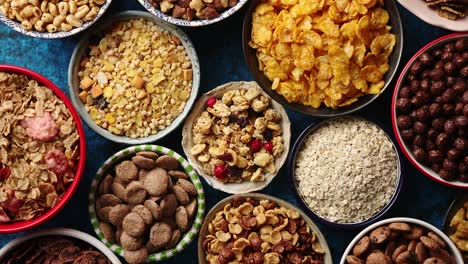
point(187, 237)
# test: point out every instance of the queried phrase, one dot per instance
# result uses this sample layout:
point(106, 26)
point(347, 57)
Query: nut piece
point(130, 243)
point(118, 213)
point(167, 162)
point(380, 235)
point(136, 256)
point(156, 182)
point(181, 218)
point(126, 171)
point(135, 193)
point(160, 234)
point(133, 225)
point(144, 163)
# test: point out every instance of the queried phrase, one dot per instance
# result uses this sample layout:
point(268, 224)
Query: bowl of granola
point(134, 78)
point(42, 149)
point(57, 245)
point(237, 137)
point(51, 19)
point(258, 228)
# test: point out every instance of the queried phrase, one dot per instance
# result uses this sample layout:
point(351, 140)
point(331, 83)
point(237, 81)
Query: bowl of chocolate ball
point(430, 110)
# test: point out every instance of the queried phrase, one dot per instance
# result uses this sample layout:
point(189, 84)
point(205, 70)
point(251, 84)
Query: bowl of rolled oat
point(237, 137)
point(42, 149)
point(193, 13)
point(135, 78)
point(346, 171)
point(57, 245)
point(258, 228)
point(51, 19)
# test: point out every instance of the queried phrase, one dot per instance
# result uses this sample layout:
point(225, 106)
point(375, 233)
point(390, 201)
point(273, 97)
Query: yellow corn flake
point(110, 118)
point(93, 112)
point(323, 51)
point(108, 92)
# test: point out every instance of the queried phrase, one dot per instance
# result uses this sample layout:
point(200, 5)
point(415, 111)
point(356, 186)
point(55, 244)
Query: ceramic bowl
point(73, 80)
point(19, 226)
point(187, 140)
point(186, 238)
point(258, 197)
point(411, 221)
point(56, 35)
point(252, 62)
point(194, 23)
point(400, 83)
point(420, 9)
point(60, 232)
point(292, 170)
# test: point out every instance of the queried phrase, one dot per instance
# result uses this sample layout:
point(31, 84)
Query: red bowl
point(18, 226)
point(401, 79)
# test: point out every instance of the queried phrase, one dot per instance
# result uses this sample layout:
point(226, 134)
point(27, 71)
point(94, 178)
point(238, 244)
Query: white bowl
point(453, 249)
point(61, 232)
point(420, 9)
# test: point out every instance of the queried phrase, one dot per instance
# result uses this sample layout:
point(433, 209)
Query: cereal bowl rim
point(194, 23)
point(400, 82)
point(245, 186)
point(250, 59)
point(60, 231)
point(18, 226)
point(186, 238)
point(292, 177)
point(421, 223)
point(426, 14)
point(73, 69)
point(56, 35)
point(260, 196)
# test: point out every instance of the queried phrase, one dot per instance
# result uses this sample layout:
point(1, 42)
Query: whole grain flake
point(347, 170)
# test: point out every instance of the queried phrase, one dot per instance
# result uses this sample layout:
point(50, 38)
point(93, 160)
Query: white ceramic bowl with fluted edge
point(420, 9)
point(73, 80)
point(61, 232)
point(56, 35)
point(412, 221)
point(194, 23)
point(187, 237)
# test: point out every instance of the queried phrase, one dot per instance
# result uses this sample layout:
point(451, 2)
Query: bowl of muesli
point(237, 137)
point(42, 149)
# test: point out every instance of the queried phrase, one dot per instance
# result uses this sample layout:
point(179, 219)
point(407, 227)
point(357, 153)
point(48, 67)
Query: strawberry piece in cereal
point(57, 162)
point(12, 204)
point(4, 218)
point(42, 128)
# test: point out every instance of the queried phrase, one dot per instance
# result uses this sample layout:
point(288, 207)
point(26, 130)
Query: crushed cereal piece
point(42, 128)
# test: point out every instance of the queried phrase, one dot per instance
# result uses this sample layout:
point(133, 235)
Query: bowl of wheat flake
point(346, 171)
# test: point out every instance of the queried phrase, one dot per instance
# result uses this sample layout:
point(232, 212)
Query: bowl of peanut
point(236, 137)
point(135, 78)
point(51, 19)
point(258, 228)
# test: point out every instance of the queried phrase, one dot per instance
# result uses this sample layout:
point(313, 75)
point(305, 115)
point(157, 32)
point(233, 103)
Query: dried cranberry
point(242, 121)
point(235, 171)
point(255, 145)
point(210, 102)
point(226, 157)
point(268, 146)
point(220, 171)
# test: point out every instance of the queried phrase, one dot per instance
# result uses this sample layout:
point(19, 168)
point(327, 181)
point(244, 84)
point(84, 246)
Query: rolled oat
point(347, 170)
point(135, 80)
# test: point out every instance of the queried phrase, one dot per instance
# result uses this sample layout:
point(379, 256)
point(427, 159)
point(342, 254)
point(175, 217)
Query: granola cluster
point(38, 148)
point(238, 137)
point(260, 232)
point(136, 79)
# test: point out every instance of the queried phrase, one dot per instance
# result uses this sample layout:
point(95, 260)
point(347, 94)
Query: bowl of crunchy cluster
point(146, 203)
point(42, 149)
point(449, 14)
point(237, 137)
point(346, 171)
point(57, 245)
point(430, 110)
point(456, 224)
point(258, 228)
point(193, 13)
point(323, 58)
point(401, 240)
point(135, 78)
point(51, 19)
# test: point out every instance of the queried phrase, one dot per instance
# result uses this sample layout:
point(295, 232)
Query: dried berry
point(255, 145)
point(210, 102)
point(220, 171)
point(268, 146)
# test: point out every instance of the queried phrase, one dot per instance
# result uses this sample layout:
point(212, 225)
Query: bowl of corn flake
point(42, 149)
point(237, 138)
point(135, 78)
point(323, 58)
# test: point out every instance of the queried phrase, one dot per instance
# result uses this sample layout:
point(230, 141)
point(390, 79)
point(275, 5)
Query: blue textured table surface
point(221, 59)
